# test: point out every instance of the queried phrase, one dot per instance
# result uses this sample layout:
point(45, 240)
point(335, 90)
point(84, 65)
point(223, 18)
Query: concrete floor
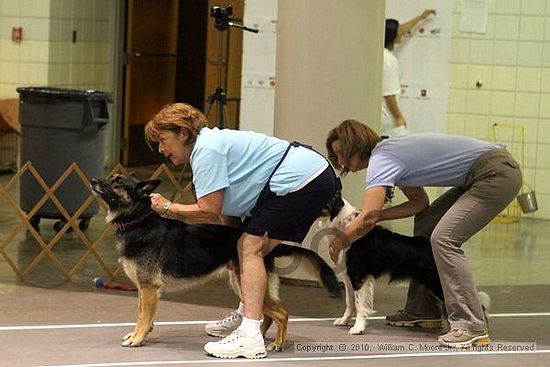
point(48, 321)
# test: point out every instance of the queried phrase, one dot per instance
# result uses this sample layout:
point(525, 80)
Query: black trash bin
point(59, 127)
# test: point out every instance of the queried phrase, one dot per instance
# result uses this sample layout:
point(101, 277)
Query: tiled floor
point(46, 320)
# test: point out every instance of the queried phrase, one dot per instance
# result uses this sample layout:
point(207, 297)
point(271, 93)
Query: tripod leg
point(225, 117)
point(208, 108)
point(220, 114)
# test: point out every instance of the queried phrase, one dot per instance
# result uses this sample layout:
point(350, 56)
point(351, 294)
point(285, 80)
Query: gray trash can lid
point(63, 93)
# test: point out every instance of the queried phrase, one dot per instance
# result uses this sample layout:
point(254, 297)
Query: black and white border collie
point(380, 252)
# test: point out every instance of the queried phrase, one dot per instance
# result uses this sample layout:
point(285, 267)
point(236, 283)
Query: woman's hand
point(158, 203)
point(334, 249)
point(426, 13)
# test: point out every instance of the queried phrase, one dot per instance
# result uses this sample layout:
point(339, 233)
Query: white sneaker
point(225, 326)
point(237, 344)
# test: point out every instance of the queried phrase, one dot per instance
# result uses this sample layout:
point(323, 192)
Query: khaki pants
point(492, 183)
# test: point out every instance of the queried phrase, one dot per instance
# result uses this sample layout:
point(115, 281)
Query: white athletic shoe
point(237, 344)
point(225, 326)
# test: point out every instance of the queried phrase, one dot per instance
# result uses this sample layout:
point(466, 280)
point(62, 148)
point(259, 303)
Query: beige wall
point(329, 63)
point(47, 55)
point(86, 63)
point(513, 61)
point(329, 68)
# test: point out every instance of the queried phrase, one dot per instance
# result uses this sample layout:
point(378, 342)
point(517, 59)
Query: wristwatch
point(166, 207)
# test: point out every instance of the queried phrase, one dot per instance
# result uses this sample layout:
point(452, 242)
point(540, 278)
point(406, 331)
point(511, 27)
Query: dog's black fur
point(158, 253)
point(383, 252)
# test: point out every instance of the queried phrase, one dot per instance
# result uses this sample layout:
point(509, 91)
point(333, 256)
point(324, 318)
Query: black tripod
point(223, 21)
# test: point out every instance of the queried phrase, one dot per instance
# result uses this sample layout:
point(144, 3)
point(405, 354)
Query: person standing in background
point(392, 121)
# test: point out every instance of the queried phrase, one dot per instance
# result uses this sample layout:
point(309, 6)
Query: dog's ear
point(147, 187)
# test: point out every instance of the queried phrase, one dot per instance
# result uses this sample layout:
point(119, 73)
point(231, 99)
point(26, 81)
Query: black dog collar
point(123, 226)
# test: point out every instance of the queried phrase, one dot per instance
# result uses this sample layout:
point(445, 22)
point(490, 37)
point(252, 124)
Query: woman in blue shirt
point(280, 188)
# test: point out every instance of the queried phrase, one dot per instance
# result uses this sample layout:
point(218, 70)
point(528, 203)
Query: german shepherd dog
point(380, 252)
point(158, 254)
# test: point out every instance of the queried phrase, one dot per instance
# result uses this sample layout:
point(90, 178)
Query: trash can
point(59, 127)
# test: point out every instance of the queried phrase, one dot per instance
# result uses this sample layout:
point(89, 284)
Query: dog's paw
point(342, 321)
point(273, 347)
point(133, 339)
point(357, 329)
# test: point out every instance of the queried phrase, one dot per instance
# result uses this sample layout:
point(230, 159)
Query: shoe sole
point(253, 355)
point(424, 324)
point(217, 335)
point(227, 356)
point(479, 341)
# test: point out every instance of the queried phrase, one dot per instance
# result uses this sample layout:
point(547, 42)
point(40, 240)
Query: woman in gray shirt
point(484, 179)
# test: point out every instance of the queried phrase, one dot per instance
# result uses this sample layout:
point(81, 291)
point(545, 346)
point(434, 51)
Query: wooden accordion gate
point(46, 246)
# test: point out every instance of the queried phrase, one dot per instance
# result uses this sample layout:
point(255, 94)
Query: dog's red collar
point(123, 226)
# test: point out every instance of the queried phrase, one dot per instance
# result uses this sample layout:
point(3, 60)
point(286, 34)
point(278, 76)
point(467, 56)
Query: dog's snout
point(94, 181)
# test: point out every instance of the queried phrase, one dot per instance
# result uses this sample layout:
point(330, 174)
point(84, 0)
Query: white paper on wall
point(258, 78)
point(424, 60)
point(473, 17)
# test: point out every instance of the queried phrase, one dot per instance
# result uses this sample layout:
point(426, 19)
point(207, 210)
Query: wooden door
point(150, 72)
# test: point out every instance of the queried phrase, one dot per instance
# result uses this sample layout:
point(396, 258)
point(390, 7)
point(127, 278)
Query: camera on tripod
point(222, 15)
point(223, 20)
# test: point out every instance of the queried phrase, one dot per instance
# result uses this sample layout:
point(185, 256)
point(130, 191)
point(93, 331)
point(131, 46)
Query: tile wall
point(65, 43)
point(512, 60)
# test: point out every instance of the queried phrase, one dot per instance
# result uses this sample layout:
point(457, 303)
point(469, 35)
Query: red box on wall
point(17, 34)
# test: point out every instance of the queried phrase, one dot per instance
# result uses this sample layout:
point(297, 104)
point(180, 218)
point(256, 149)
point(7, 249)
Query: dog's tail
point(315, 265)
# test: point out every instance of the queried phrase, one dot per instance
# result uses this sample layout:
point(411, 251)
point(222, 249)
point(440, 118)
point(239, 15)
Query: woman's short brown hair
point(354, 138)
point(176, 117)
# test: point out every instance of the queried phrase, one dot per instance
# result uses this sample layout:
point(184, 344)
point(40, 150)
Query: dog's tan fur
point(148, 295)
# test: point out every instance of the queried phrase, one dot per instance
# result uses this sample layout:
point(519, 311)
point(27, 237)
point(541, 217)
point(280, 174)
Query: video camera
point(222, 16)
point(221, 12)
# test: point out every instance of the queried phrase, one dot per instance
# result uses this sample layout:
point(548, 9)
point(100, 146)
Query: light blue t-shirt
point(435, 160)
point(242, 161)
